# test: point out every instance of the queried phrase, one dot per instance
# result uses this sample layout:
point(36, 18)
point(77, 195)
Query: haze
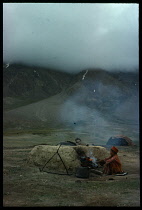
point(71, 37)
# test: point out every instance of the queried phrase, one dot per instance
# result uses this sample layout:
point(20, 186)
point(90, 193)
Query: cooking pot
point(82, 172)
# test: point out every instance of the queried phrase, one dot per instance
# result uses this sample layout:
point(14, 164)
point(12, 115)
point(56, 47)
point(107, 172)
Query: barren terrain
point(26, 186)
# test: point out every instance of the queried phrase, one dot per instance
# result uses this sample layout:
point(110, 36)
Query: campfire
point(89, 162)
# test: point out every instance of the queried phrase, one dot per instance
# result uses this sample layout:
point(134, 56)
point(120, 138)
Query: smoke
point(129, 109)
point(82, 119)
point(75, 114)
point(90, 154)
point(110, 110)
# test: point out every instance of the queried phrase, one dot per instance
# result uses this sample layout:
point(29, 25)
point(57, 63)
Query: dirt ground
point(26, 186)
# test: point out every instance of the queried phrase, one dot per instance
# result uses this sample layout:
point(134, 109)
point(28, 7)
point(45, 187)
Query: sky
point(72, 36)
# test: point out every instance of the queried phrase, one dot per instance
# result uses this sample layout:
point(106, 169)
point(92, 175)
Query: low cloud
point(71, 37)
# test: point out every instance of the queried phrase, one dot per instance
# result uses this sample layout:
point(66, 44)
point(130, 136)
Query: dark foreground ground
point(26, 186)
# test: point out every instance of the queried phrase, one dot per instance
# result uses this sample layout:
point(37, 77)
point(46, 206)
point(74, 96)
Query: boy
point(112, 164)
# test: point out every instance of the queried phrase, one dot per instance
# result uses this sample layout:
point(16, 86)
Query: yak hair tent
point(120, 141)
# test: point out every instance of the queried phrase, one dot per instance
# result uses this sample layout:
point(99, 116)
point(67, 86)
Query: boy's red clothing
point(112, 165)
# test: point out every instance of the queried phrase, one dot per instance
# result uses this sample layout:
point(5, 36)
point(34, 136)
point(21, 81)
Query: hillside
point(44, 98)
point(23, 85)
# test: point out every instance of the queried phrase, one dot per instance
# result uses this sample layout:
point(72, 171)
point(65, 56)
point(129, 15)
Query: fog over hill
point(92, 99)
point(72, 36)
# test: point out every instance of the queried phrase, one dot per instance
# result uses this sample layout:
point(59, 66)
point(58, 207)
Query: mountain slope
point(48, 98)
point(23, 85)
